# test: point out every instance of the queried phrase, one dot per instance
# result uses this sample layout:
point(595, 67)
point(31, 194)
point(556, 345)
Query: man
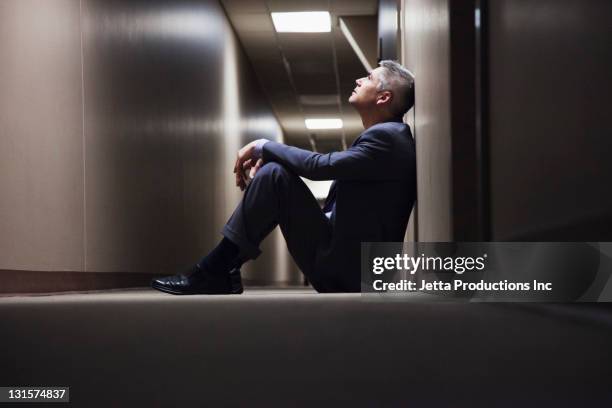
point(370, 200)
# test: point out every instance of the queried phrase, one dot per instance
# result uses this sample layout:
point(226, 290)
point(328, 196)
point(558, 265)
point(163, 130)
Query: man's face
point(365, 93)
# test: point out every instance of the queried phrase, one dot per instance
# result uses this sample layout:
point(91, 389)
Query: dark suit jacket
point(374, 192)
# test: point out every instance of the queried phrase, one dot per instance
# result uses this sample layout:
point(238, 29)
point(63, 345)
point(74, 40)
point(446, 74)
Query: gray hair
point(397, 79)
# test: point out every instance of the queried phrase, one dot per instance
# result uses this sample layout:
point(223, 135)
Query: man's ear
point(384, 97)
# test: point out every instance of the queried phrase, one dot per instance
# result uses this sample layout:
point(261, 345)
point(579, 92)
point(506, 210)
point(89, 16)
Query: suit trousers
point(276, 196)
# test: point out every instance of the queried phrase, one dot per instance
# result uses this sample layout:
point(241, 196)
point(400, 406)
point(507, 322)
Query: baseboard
point(14, 281)
point(30, 282)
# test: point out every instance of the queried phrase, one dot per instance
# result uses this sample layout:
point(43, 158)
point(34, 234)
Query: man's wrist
point(258, 151)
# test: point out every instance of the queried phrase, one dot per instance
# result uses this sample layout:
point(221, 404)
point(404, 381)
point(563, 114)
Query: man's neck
point(369, 119)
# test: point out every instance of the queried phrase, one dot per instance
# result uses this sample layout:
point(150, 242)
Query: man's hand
point(246, 165)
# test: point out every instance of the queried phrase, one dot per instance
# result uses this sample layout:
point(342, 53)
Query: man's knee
point(274, 170)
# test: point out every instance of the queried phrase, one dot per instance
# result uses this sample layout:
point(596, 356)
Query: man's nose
point(358, 81)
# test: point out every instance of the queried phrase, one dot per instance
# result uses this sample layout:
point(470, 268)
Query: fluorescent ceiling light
point(324, 123)
point(302, 22)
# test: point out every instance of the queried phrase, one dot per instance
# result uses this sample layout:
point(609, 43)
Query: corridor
point(120, 126)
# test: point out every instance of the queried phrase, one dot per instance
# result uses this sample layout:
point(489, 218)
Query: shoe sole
point(178, 292)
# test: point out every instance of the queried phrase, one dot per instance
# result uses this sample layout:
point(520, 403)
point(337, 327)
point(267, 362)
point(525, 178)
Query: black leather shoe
point(199, 282)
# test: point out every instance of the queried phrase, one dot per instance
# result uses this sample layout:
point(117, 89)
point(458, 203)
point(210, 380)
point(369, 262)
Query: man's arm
point(368, 159)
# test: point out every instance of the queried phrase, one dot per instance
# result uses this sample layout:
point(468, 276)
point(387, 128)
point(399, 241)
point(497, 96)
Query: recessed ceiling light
point(302, 22)
point(324, 123)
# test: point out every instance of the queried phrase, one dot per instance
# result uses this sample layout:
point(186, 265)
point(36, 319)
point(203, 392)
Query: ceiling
point(305, 75)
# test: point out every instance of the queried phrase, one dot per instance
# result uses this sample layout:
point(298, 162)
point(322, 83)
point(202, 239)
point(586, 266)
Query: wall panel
point(41, 136)
point(550, 63)
point(426, 43)
point(165, 116)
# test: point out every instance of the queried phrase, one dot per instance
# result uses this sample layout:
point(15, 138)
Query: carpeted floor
point(293, 347)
